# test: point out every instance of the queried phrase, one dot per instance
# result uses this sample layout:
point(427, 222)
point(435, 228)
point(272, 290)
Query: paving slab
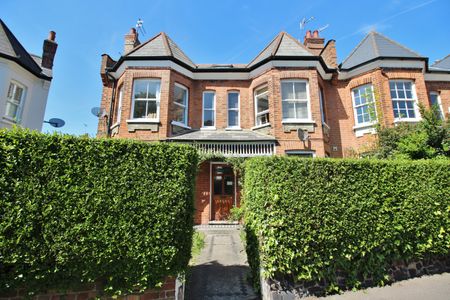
point(221, 270)
point(434, 287)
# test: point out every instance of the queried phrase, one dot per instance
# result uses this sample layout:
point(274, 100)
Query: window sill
point(364, 125)
point(233, 129)
point(208, 128)
point(140, 121)
point(260, 126)
point(9, 120)
point(175, 123)
point(416, 120)
point(308, 121)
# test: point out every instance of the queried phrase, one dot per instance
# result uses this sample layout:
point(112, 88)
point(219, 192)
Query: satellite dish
point(55, 122)
point(99, 112)
point(303, 134)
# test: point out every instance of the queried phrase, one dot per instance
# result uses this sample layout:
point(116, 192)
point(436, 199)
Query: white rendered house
point(24, 81)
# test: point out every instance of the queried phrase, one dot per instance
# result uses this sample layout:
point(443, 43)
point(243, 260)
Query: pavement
point(434, 287)
point(221, 270)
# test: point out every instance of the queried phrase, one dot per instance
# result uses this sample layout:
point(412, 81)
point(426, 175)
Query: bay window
point(262, 106)
point(364, 105)
point(295, 100)
point(435, 100)
point(180, 104)
point(403, 100)
point(146, 99)
point(233, 110)
point(209, 110)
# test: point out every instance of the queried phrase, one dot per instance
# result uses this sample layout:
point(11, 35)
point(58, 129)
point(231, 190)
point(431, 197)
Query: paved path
point(435, 287)
point(221, 270)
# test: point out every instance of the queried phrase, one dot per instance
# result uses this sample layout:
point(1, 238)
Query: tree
point(430, 138)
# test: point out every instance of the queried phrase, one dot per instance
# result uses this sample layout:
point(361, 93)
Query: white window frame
point(439, 103)
point(17, 118)
point(213, 109)
point(267, 111)
point(307, 101)
point(186, 106)
point(238, 125)
point(417, 117)
point(157, 99)
point(355, 107)
point(119, 105)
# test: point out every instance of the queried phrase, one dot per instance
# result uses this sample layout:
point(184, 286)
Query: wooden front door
point(223, 191)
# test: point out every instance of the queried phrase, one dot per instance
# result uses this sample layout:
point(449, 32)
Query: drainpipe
point(110, 113)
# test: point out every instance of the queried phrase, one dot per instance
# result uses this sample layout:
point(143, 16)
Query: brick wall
point(167, 291)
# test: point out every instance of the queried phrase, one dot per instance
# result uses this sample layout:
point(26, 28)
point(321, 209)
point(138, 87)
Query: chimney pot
point(131, 40)
point(308, 34)
point(316, 33)
point(52, 36)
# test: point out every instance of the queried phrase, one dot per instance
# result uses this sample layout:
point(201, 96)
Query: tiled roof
point(223, 135)
point(442, 64)
point(376, 45)
point(11, 48)
point(161, 45)
point(282, 45)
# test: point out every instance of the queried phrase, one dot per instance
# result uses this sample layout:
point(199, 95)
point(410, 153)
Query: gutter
point(113, 96)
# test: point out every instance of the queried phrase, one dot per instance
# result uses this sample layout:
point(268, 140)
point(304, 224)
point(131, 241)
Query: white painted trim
point(382, 63)
point(186, 106)
point(233, 129)
point(307, 100)
point(203, 110)
point(119, 105)
point(355, 115)
point(255, 104)
point(439, 103)
point(414, 96)
point(298, 121)
point(158, 101)
point(180, 124)
point(141, 120)
point(238, 126)
point(260, 126)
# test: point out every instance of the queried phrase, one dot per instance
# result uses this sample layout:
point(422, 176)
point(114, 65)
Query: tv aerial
point(55, 122)
point(323, 28)
point(140, 26)
point(304, 21)
point(99, 112)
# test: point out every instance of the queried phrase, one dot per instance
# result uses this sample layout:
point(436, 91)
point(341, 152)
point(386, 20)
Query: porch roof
point(223, 136)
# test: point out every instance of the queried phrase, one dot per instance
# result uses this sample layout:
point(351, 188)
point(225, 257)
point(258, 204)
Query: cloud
point(378, 24)
point(373, 27)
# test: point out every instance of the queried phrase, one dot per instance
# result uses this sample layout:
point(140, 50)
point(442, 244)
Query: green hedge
point(315, 217)
point(78, 210)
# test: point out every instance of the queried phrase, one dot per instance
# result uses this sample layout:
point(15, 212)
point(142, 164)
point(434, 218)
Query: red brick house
point(292, 99)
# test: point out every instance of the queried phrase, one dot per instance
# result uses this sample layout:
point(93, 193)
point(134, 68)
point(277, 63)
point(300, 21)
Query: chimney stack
point(49, 51)
point(313, 42)
point(131, 40)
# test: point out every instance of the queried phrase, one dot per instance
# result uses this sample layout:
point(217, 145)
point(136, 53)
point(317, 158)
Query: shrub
point(309, 218)
point(79, 210)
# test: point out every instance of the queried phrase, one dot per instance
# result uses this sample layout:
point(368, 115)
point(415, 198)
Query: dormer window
point(146, 99)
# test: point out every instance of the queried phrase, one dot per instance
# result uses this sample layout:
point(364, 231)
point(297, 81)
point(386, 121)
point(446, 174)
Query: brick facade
point(334, 137)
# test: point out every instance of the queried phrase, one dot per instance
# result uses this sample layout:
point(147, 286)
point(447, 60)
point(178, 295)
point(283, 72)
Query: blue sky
point(226, 31)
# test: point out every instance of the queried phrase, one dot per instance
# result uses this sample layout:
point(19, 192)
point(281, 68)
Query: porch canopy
point(232, 143)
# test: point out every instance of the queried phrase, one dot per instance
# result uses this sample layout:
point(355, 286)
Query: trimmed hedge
point(310, 219)
point(78, 210)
